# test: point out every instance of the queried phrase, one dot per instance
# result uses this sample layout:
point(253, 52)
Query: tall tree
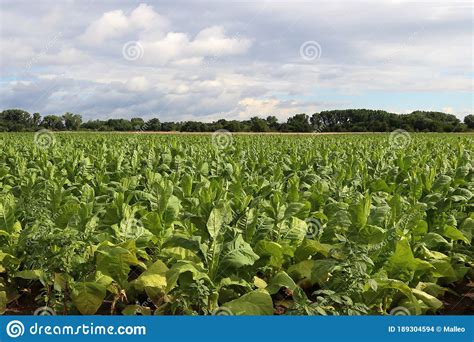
point(469, 121)
point(299, 123)
point(52, 122)
point(72, 122)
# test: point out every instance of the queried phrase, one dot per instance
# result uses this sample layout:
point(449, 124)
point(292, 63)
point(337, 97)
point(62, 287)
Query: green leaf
point(360, 211)
point(428, 299)
point(172, 210)
point(454, 234)
point(467, 228)
point(88, 297)
point(309, 248)
point(30, 274)
point(314, 271)
point(115, 262)
point(259, 283)
point(295, 230)
point(397, 285)
point(238, 253)
point(281, 279)
point(154, 277)
point(372, 234)
point(134, 310)
point(182, 267)
point(402, 260)
point(272, 249)
point(255, 303)
point(215, 222)
point(441, 183)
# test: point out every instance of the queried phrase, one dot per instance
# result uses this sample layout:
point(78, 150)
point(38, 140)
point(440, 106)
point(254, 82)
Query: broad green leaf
point(215, 222)
point(153, 280)
point(238, 253)
point(309, 248)
point(314, 271)
point(467, 228)
point(182, 267)
point(30, 274)
point(295, 230)
point(88, 297)
point(402, 260)
point(259, 283)
point(281, 279)
point(115, 262)
point(428, 299)
point(272, 249)
point(454, 234)
point(255, 303)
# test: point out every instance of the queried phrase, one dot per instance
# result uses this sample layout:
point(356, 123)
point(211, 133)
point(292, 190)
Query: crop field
point(221, 224)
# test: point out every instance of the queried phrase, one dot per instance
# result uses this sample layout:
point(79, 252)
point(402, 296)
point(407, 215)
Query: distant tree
point(137, 124)
point(72, 122)
point(234, 126)
point(153, 125)
point(16, 120)
point(469, 121)
point(316, 122)
point(120, 125)
point(94, 125)
point(346, 120)
point(258, 125)
point(36, 120)
point(299, 123)
point(169, 126)
point(272, 123)
point(52, 122)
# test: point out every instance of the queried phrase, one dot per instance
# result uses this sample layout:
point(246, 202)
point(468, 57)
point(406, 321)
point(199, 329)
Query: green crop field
point(234, 224)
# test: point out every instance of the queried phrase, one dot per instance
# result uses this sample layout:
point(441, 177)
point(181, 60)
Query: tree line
point(346, 120)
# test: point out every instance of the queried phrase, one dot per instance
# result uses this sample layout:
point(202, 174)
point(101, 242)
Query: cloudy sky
point(204, 60)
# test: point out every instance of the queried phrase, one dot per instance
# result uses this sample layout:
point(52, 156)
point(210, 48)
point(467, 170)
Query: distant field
point(236, 224)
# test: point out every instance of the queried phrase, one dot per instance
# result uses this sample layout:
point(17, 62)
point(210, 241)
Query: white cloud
point(115, 24)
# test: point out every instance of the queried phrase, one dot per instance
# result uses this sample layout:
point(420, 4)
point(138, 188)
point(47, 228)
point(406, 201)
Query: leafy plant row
point(143, 224)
